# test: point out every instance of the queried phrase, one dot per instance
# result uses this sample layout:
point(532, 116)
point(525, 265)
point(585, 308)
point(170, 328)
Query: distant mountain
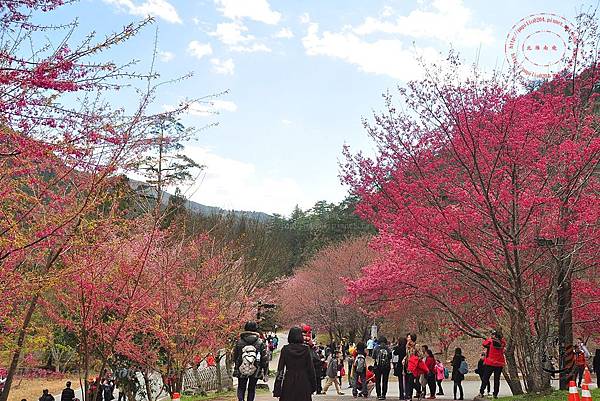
point(149, 192)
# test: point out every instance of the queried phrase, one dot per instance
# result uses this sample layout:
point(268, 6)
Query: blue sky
point(300, 76)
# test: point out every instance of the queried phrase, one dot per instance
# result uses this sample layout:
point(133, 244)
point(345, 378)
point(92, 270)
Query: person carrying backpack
point(459, 370)
point(382, 355)
point(251, 361)
point(494, 362)
point(359, 368)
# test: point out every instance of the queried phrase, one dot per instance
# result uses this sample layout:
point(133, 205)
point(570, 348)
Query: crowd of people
point(303, 365)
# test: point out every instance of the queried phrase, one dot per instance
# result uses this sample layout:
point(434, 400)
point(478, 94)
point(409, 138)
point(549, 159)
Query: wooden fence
point(203, 379)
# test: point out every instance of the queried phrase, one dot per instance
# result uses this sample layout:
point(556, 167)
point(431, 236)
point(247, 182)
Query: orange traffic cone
point(586, 395)
point(587, 377)
point(573, 393)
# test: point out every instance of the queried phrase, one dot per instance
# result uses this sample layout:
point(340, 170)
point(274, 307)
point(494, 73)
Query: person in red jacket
point(370, 381)
point(430, 363)
point(494, 362)
point(580, 364)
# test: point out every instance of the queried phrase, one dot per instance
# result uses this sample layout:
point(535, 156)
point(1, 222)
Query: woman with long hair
point(296, 380)
point(457, 376)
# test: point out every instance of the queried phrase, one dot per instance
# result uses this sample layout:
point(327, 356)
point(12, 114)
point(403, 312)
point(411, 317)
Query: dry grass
point(31, 389)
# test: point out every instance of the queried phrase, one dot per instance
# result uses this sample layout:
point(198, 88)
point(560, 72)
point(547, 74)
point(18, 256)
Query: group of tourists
point(272, 341)
point(104, 388)
point(303, 366)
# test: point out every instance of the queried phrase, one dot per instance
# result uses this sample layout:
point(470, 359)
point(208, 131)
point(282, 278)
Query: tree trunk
point(219, 376)
point(565, 324)
point(511, 372)
point(529, 344)
point(352, 336)
point(14, 363)
point(86, 369)
point(147, 384)
point(228, 364)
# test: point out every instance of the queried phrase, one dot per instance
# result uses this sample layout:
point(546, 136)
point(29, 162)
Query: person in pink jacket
point(440, 375)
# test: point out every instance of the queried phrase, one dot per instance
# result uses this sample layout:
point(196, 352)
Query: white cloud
point(233, 34)
point(198, 49)
point(208, 108)
point(257, 10)
point(156, 8)
point(445, 20)
point(284, 33)
point(384, 56)
point(305, 18)
point(165, 56)
point(196, 21)
point(255, 47)
point(286, 122)
point(225, 67)
point(239, 185)
point(387, 11)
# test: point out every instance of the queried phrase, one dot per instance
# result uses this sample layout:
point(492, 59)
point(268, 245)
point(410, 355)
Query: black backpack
point(384, 357)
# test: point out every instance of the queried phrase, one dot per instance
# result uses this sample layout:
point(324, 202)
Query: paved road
point(471, 388)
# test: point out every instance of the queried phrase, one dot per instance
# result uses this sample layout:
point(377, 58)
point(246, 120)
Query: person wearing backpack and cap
point(382, 355)
point(251, 362)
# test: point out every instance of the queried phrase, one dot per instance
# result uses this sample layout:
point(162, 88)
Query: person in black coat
point(107, 390)
point(67, 394)
point(296, 379)
point(398, 355)
point(318, 360)
point(480, 371)
point(457, 377)
point(250, 336)
point(46, 396)
point(596, 365)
